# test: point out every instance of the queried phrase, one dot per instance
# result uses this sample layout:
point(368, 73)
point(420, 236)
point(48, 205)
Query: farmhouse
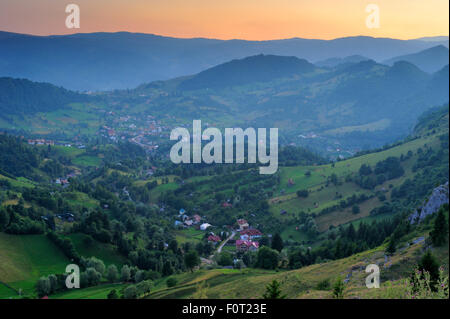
point(243, 224)
point(205, 226)
point(196, 218)
point(246, 245)
point(250, 234)
point(214, 238)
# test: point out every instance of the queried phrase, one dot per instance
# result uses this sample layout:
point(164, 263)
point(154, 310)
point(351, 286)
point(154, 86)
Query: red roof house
point(246, 245)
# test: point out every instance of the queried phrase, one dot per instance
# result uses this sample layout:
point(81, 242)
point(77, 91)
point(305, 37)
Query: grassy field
point(80, 199)
point(105, 252)
point(18, 182)
point(302, 283)
point(323, 194)
point(189, 235)
point(25, 258)
point(97, 292)
point(87, 161)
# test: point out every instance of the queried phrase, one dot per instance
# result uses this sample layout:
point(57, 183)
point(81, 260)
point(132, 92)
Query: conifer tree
point(273, 291)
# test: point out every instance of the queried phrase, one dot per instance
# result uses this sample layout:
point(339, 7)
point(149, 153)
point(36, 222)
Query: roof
point(205, 225)
point(247, 243)
point(214, 238)
point(242, 221)
point(251, 232)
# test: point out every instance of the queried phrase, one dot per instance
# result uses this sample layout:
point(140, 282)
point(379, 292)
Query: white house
point(205, 226)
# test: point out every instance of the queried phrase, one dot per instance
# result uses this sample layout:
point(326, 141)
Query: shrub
point(171, 282)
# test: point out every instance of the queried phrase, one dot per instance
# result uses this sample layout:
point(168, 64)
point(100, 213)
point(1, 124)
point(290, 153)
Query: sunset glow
point(230, 19)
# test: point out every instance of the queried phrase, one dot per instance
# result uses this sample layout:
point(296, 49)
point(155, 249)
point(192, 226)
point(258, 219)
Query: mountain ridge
point(105, 61)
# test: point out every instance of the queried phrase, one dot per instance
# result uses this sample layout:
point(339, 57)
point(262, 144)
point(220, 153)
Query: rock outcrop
point(438, 197)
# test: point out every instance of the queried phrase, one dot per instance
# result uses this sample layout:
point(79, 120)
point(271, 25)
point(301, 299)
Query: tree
point(355, 209)
point(365, 170)
point(125, 273)
point(302, 193)
point(43, 287)
point(167, 269)
point(171, 282)
point(143, 287)
point(112, 274)
point(277, 242)
point(113, 294)
point(338, 289)
point(440, 229)
point(130, 292)
point(97, 264)
point(391, 246)
point(173, 245)
point(267, 258)
point(225, 259)
point(429, 263)
point(139, 276)
point(93, 276)
point(53, 283)
point(191, 259)
point(273, 291)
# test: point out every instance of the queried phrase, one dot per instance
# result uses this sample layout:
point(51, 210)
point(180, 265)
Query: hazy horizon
point(252, 20)
point(231, 39)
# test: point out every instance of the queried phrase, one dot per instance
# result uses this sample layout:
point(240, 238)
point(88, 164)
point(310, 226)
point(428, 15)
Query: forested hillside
point(21, 96)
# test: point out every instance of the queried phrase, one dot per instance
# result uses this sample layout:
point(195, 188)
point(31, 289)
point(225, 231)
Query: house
point(196, 218)
point(243, 224)
point(189, 222)
point(214, 239)
point(250, 234)
point(246, 245)
point(205, 226)
point(227, 205)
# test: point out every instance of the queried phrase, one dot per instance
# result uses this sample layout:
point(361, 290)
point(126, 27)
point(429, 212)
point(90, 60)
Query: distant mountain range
point(333, 62)
point(361, 103)
point(429, 60)
point(105, 61)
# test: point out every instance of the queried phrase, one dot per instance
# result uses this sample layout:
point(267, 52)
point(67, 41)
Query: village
point(236, 239)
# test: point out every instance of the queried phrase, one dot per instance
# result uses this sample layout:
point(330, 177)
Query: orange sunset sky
point(231, 19)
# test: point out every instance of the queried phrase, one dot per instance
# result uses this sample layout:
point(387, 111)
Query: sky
point(231, 19)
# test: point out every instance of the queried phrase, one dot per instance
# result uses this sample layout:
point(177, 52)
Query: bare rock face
point(438, 197)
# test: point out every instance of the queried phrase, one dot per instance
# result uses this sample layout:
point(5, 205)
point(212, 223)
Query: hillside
point(346, 212)
point(430, 60)
point(334, 62)
point(20, 97)
point(359, 105)
point(260, 68)
point(305, 283)
point(107, 61)
point(333, 111)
